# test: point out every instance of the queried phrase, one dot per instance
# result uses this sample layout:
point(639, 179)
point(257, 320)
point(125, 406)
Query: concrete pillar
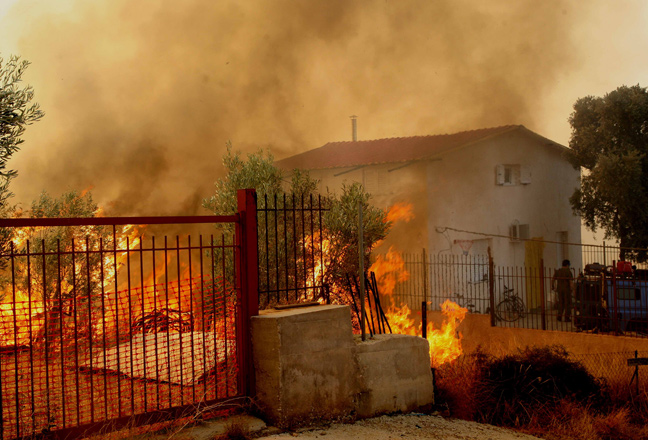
point(308, 366)
point(304, 363)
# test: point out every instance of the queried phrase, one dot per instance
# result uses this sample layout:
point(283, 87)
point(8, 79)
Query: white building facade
point(505, 189)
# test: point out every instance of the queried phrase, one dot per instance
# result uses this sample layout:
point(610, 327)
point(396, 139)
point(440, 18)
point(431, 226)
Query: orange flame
point(400, 211)
point(23, 313)
point(445, 343)
point(27, 312)
point(87, 190)
point(390, 270)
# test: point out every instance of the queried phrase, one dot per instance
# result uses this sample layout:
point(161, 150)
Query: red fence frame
point(246, 284)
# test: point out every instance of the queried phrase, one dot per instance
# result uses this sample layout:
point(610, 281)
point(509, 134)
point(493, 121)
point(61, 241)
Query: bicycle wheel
point(507, 311)
point(520, 307)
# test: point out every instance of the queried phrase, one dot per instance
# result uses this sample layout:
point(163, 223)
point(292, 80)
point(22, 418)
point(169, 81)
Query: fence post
point(491, 286)
point(248, 276)
point(425, 278)
point(361, 275)
point(424, 304)
point(543, 309)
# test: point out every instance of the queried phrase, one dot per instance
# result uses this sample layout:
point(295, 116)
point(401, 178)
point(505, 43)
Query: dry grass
point(540, 391)
point(235, 430)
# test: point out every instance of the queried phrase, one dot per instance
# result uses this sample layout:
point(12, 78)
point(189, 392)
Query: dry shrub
point(513, 389)
point(533, 381)
point(456, 384)
point(575, 421)
point(568, 420)
point(542, 392)
point(235, 430)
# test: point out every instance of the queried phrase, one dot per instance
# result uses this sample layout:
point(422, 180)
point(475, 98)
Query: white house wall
point(458, 192)
point(464, 195)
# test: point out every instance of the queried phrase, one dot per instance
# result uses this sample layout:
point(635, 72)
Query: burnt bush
point(517, 387)
point(514, 389)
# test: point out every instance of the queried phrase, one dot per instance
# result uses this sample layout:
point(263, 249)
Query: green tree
point(609, 142)
point(257, 172)
point(339, 222)
point(16, 112)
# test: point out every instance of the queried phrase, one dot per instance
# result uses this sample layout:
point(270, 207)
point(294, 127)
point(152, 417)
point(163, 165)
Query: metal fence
point(610, 299)
point(613, 368)
point(291, 249)
point(103, 324)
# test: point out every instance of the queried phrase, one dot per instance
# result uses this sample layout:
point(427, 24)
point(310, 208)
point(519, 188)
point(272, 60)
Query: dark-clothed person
point(563, 283)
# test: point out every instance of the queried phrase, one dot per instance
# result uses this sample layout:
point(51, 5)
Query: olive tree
point(339, 222)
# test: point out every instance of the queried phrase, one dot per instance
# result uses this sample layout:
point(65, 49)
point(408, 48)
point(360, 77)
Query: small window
point(525, 175)
point(508, 175)
point(376, 181)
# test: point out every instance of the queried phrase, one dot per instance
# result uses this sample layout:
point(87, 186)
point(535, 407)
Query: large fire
point(25, 307)
point(20, 307)
point(389, 268)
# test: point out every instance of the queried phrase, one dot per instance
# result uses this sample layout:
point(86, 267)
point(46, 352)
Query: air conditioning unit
point(518, 232)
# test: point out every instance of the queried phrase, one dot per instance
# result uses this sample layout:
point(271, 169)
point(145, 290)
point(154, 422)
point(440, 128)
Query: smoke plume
point(141, 97)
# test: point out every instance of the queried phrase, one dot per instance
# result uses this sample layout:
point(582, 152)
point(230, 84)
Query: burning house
point(469, 191)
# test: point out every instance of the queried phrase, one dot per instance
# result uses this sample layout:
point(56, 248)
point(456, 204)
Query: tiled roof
point(402, 149)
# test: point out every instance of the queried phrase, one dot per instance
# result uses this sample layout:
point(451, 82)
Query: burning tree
point(59, 269)
point(323, 256)
point(341, 223)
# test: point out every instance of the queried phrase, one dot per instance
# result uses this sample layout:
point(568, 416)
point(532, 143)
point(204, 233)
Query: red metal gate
point(112, 321)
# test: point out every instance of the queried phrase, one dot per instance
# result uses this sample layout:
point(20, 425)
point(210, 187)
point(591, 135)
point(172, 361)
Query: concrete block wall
point(308, 366)
point(395, 374)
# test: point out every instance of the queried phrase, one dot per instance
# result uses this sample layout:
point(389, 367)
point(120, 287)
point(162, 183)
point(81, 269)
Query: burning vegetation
point(389, 271)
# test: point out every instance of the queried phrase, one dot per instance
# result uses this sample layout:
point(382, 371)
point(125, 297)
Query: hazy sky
point(141, 96)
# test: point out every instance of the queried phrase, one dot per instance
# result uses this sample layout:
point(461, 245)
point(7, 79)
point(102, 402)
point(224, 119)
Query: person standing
point(563, 283)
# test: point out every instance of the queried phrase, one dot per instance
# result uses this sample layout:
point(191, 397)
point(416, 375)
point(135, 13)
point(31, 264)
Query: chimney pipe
point(354, 128)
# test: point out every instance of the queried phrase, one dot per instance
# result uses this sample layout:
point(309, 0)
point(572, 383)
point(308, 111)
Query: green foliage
point(60, 273)
point(282, 226)
point(341, 223)
point(258, 171)
point(16, 112)
point(610, 142)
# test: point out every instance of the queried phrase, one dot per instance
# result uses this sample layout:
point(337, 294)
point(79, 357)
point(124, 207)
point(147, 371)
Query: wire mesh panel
point(100, 325)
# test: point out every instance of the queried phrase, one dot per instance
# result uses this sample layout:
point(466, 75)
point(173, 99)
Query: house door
point(533, 255)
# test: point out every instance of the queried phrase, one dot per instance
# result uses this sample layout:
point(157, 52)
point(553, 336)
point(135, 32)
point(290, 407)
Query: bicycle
point(461, 301)
point(511, 308)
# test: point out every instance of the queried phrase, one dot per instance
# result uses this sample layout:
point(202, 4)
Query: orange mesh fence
point(66, 363)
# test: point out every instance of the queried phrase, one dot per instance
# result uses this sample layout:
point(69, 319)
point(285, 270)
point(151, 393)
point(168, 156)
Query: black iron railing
point(292, 247)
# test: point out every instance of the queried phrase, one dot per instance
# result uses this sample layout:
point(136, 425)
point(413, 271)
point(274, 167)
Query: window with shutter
point(509, 175)
point(525, 174)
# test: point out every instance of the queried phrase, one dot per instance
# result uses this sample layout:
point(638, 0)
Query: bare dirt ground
point(405, 426)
